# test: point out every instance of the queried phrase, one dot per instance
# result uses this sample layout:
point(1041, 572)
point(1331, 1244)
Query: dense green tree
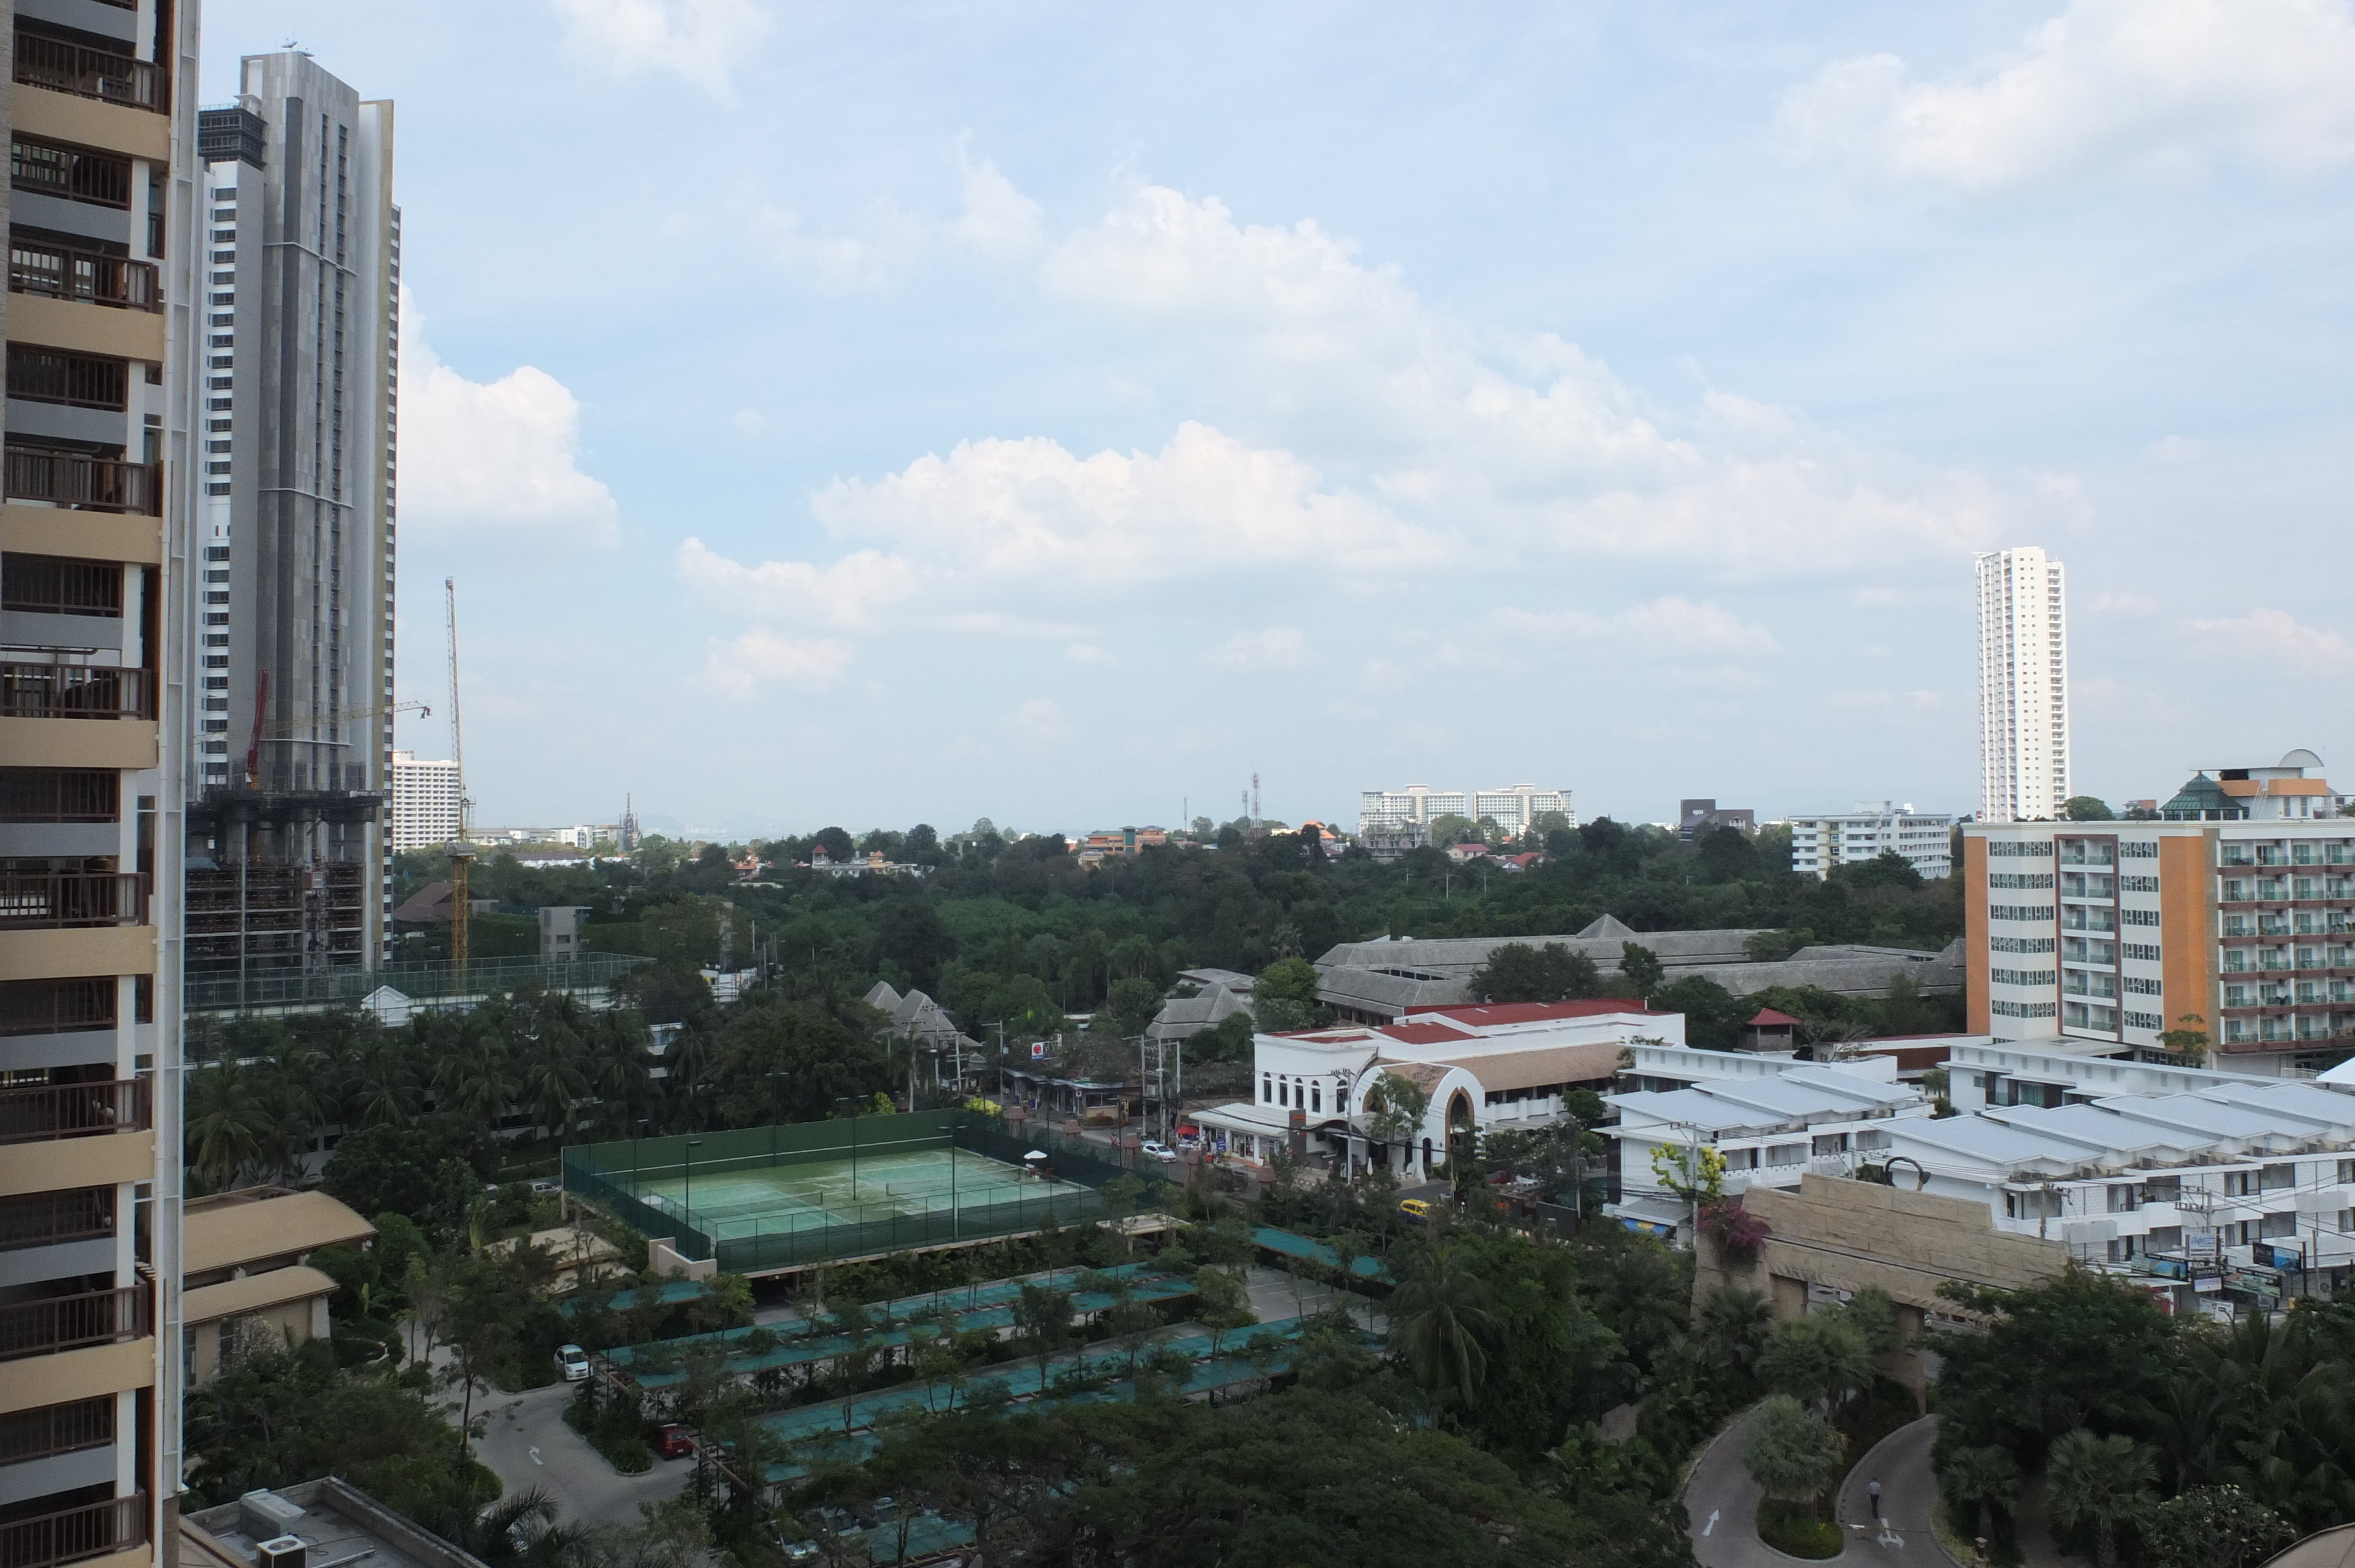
point(2087, 808)
point(1640, 969)
point(1519, 972)
point(421, 1172)
point(1977, 1479)
point(1284, 996)
point(2215, 1527)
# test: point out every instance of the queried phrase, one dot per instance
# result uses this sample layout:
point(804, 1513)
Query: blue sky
point(869, 413)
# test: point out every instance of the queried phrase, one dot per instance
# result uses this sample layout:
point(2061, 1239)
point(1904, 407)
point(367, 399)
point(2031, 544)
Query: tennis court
point(731, 1205)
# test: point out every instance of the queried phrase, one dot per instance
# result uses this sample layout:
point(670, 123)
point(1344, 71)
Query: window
point(1267, 1088)
point(2277, 1225)
point(2122, 1199)
point(2274, 1176)
point(1786, 1154)
point(2240, 1183)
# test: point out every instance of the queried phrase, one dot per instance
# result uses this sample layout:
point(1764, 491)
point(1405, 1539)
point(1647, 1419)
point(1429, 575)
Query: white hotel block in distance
point(425, 802)
point(2023, 686)
point(1512, 807)
point(1924, 838)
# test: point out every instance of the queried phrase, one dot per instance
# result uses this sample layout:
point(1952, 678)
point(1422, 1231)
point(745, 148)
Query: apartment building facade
point(2023, 686)
point(425, 800)
point(2112, 933)
point(93, 551)
point(1513, 808)
point(1925, 839)
point(291, 747)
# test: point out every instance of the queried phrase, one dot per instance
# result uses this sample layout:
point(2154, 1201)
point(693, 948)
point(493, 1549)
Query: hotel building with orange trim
point(2234, 910)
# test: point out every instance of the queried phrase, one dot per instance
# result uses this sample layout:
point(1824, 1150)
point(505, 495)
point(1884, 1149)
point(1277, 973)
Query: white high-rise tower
point(2023, 687)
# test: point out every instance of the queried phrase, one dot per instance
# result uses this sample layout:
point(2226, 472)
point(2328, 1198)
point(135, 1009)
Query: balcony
point(57, 1006)
point(93, 1529)
point(46, 1111)
point(85, 72)
point(70, 174)
point(75, 380)
point(83, 482)
point(90, 277)
point(75, 691)
point(47, 1430)
point(76, 1322)
point(48, 899)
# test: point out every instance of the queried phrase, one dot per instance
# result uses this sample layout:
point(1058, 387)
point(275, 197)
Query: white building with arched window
point(1483, 1067)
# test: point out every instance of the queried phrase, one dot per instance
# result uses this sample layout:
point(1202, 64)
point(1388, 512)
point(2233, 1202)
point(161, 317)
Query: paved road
point(1721, 1500)
point(1908, 1490)
point(525, 1441)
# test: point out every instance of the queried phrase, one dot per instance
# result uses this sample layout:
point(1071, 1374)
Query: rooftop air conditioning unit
point(285, 1551)
point(265, 1516)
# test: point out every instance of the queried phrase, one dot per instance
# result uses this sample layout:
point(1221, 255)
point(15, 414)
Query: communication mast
point(1254, 811)
point(462, 853)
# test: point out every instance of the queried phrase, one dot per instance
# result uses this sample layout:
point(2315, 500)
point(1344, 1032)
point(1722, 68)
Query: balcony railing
point(68, 1428)
point(53, 898)
point(48, 1111)
point(76, 380)
point(91, 484)
point(74, 691)
point(93, 1529)
point(70, 1323)
point(65, 272)
point(47, 1219)
point(85, 72)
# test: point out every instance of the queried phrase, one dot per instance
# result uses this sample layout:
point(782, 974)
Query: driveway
point(1721, 1501)
point(1908, 1491)
point(527, 1442)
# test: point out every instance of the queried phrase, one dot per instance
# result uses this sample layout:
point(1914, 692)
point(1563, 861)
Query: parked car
point(1153, 1149)
point(1416, 1210)
point(545, 1187)
point(674, 1442)
point(573, 1362)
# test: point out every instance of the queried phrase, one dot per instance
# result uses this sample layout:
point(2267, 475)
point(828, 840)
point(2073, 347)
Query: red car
point(675, 1442)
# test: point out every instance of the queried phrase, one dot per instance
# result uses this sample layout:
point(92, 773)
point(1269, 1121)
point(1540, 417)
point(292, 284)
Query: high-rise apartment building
point(300, 256)
point(2236, 911)
point(1513, 807)
point(2023, 687)
point(425, 802)
point(93, 542)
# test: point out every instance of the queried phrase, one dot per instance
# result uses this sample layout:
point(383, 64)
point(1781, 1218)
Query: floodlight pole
point(689, 1201)
point(956, 1229)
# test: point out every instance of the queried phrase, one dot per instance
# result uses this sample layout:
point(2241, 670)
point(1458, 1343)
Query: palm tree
point(384, 1087)
point(472, 1076)
point(1792, 1452)
point(550, 1077)
point(1440, 1325)
point(1980, 1478)
point(2096, 1480)
point(226, 1121)
point(619, 1065)
point(1735, 1325)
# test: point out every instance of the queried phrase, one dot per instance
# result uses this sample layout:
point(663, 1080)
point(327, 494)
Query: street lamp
point(689, 1201)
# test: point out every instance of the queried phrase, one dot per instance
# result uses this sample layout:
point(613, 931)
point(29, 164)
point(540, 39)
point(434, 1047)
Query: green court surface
point(737, 1200)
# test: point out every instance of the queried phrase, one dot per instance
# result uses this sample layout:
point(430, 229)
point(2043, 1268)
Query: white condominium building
point(1924, 838)
point(2023, 687)
point(425, 802)
point(1512, 807)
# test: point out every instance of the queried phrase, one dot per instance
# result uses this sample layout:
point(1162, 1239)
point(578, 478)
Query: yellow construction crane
point(284, 730)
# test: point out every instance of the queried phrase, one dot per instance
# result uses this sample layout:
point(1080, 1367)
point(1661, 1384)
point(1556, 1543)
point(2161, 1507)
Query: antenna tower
point(1254, 811)
point(462, 853)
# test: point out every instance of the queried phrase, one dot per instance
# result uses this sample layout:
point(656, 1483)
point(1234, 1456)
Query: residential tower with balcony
point(94, 545)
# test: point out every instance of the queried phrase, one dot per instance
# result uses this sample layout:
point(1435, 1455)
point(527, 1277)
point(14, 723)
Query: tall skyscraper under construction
point(300, 243)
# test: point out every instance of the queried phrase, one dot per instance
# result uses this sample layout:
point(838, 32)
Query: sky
point(873, 413)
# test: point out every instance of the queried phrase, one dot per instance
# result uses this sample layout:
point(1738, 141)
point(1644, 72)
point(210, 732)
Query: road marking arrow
point(536, 1459)
point(1712, 1521)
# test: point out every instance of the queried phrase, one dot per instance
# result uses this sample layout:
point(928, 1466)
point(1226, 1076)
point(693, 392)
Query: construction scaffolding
point(277, 894)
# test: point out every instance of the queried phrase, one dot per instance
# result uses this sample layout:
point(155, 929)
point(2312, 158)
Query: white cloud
point(1038, 721)
point(998, 220)
point(845, 594)
point(2175, 452)
point(699, 40)
point(1266, 652)
point(1089, 654)
point(2273, 635)
point(2164, 85)
point(877, 250)
point(1673, 627)
point(1031, 512)
point(493, 457)
point(741, 666)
